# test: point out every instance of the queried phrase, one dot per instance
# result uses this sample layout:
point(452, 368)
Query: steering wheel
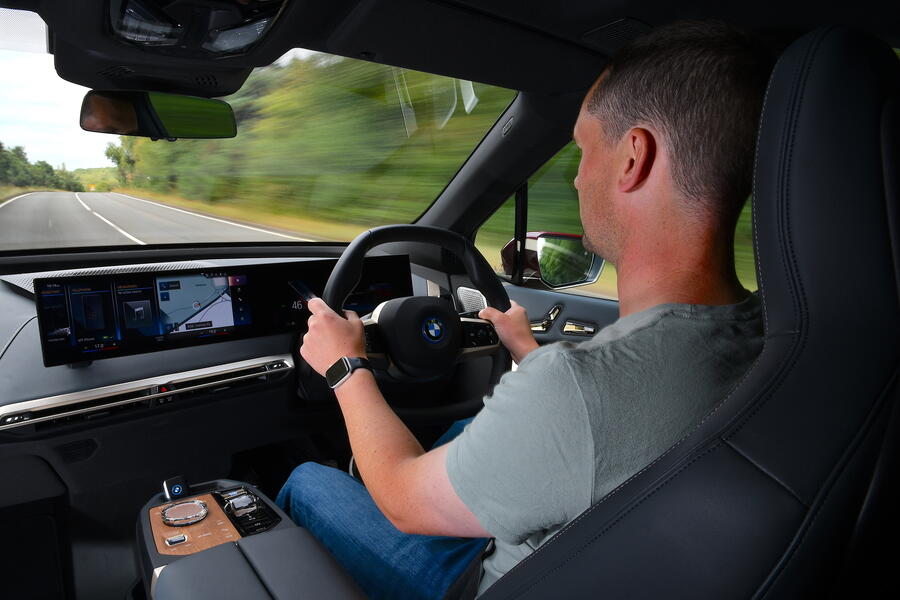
point(420, 338)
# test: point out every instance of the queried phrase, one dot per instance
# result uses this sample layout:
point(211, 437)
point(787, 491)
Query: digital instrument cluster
point(89, 318)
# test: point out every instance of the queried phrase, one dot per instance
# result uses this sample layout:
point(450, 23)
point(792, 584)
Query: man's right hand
point(513, 328)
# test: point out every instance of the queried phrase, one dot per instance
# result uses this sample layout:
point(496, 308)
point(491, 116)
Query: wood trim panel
point(215, 529)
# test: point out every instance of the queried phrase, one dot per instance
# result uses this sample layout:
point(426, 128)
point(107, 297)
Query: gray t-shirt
point(576, 420)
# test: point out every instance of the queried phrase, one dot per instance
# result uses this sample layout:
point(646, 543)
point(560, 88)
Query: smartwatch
point(342, 368)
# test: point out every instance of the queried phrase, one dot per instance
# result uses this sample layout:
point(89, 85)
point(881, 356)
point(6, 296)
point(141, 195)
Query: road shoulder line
point(11, 200)
point(217, 219)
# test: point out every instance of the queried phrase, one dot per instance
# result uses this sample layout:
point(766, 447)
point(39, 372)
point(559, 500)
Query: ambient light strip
point(166, 386)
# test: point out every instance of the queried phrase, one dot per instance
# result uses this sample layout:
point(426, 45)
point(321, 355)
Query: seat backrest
point(761, 499)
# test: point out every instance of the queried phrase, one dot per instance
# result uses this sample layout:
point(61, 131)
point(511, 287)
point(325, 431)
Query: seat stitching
point(754, 207)
point(719, 444)
point(805, 528)
point(793, 275)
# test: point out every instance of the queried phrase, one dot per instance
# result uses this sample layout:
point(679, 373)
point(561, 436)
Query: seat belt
point(466, 585)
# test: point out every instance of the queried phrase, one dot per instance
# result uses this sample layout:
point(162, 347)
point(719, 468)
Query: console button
point(246, 511)
point(176, 539)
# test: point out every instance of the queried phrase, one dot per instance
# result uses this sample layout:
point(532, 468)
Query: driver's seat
point(762, 499)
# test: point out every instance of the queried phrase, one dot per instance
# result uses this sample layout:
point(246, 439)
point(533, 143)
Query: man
point(106, 114)
point(667, 136)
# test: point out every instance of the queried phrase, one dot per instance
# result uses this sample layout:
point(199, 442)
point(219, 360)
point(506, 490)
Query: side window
point(553, 207)
point(744, 262)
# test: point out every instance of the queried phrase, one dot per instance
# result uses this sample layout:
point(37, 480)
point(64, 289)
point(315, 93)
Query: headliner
point(529, 45)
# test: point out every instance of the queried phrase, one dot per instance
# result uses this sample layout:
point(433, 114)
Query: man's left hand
point(329, 336)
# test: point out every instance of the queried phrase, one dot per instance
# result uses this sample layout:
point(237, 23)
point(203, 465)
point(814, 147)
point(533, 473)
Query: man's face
point(595, 183)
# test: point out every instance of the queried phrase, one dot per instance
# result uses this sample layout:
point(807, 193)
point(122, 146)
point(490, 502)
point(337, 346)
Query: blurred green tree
point(327, 137)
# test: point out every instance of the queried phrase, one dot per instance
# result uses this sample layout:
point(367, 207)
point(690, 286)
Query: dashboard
point(90, 318)
point(82, 344)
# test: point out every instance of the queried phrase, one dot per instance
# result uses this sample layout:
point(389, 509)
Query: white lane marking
point(119, 229)
point(86, 207)
point(108, 222)
point(11, 200)
point(187, 212)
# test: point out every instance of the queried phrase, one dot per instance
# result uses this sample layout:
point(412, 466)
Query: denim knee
point(301, 488)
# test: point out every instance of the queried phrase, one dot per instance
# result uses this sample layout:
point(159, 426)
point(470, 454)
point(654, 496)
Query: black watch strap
point(342, 368)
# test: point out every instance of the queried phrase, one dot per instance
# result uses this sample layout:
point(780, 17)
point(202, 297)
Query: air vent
point(207, 81)
point(612, 36)
point(143, 395)
point(117, 72)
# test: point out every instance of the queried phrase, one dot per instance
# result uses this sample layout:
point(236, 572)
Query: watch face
point(337, 371)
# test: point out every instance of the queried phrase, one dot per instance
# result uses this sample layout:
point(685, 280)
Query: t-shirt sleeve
point(525, 463)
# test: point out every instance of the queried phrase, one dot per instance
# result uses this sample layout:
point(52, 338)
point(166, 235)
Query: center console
point(226, 539)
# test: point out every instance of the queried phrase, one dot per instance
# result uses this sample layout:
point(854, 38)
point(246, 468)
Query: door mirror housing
point(156, 115)
point(558, 260)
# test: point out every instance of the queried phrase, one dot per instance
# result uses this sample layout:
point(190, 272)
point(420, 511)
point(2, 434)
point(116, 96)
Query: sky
point(39, 110)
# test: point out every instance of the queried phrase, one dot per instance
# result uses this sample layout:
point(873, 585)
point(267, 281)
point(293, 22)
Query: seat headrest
point(821, 183)
point(827, 240)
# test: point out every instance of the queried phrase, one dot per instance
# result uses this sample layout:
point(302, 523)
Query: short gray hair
point(701, 84)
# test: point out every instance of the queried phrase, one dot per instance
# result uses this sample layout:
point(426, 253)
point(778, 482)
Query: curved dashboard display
point(90, 318)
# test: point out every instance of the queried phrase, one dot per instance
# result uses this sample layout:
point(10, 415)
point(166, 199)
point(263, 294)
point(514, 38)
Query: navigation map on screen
point(195, 302)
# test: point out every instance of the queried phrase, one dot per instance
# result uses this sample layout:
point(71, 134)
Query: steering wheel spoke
point(479, 338)
point(376, 347)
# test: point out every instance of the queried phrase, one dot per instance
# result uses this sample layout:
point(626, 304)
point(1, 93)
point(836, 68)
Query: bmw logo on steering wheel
point(433, 330)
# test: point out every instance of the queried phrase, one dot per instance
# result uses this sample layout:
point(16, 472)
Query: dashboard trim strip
point(74, 398)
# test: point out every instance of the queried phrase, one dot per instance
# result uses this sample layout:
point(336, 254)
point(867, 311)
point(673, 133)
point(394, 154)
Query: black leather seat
point(763, 498)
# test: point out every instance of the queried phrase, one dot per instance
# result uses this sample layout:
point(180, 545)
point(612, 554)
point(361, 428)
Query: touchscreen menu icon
point(92, 311)
point(93, 315)
point(138, 313)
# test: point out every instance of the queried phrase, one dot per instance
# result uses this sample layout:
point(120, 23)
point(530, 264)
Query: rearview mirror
point(156, 115)
point(558, 260)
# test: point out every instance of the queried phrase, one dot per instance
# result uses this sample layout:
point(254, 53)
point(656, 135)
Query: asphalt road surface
point(71, 219)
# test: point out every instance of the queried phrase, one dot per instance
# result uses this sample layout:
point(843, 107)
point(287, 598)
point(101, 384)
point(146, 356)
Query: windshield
point(326, 148)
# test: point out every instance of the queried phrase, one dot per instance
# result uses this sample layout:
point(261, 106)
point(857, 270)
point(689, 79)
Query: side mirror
point(559, 260)
point(156, 115)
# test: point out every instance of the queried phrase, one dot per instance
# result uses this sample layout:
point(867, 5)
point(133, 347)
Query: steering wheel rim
point(347, 273)
point(348, 270)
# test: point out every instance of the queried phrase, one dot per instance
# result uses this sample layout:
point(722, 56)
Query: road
point(70, 219)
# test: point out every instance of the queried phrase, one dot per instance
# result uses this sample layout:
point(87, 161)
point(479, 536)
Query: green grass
point(10, 191)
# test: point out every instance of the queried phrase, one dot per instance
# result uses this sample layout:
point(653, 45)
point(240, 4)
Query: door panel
point(579, 312)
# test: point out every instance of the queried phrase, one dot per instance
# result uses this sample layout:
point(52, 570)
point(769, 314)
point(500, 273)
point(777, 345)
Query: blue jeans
point(387, 563)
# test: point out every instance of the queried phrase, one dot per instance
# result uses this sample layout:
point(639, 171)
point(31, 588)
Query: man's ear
point(639, 153)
